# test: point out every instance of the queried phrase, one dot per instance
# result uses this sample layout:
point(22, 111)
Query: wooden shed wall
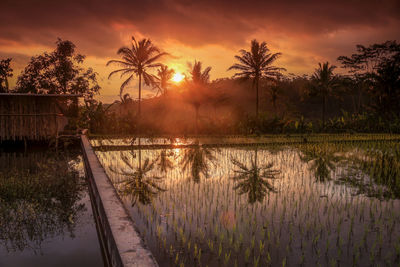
point(29, 117)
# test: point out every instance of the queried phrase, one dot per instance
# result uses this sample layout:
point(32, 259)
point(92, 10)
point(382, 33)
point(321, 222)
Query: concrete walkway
point(119, 237)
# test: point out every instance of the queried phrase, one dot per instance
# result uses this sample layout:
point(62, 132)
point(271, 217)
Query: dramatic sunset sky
point(306, 32)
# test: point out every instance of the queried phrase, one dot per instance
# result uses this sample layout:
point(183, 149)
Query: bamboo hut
point(35, 117)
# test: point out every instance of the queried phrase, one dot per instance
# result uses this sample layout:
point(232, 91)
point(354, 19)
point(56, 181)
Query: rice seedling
point(322, 204)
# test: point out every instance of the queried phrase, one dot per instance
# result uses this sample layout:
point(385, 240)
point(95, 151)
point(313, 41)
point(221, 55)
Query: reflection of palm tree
point(139, 184)
point(322, 161)
point(136, 61)
point(197, 158)
point(382, 167)
point(254, 181)
point(164, 163)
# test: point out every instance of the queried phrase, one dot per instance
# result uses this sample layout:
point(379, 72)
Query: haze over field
point(306, 32)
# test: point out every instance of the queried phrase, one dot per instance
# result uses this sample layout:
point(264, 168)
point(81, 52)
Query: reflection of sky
point(80, 250)
point(265, 139)
point(211, 203)
point(296, 178)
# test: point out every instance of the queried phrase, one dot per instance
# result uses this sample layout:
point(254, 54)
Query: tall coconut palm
point(163, 78)
point(198, 86)
point(323, 82)
point(256, 64)
point(137, 61)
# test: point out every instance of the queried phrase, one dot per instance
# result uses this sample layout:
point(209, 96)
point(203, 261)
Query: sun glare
point(178, 77)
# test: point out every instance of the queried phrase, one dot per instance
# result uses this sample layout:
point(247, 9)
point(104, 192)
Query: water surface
point(322, 204)
point(45, 212)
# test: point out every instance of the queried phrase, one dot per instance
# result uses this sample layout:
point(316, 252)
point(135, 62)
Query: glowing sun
point(178, 77)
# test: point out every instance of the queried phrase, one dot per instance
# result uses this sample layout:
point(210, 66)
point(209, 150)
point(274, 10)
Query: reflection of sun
point(177, 151)
point(178, 77)
point(177, 142)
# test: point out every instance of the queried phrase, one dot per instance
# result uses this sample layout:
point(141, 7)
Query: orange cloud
point(306, 32)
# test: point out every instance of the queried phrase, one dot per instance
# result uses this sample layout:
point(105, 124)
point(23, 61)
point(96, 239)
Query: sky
point(305, 32)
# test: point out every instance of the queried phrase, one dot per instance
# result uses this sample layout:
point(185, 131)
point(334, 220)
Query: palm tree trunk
point(140, 156)
point(6, 85)
point(257, 96)
point(359, 100)
point(140, 92)
point(323, 110)
point(197, 119)
point(355, 109)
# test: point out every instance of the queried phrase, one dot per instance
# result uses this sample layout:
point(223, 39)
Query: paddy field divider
point(121, 243)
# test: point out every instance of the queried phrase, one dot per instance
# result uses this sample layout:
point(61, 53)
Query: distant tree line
point(259, 98)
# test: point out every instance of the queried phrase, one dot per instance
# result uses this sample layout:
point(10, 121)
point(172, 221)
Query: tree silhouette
point(163, 78)
point(254, 180)
point(377, 67)
point(5, 73)
point(97, 115)
point(137, 60)
point(140, 185)
point(323, 82)
point(124, 103)
point(386, 81)
point(198, 87)
point(256, 64)
point(59, 72)
point(274, 92)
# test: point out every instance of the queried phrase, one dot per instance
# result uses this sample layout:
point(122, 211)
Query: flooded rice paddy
point(327, 204)
point(45, 211)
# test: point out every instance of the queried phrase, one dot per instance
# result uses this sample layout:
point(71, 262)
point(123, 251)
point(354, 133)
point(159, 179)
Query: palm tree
point(256, 64)
point(198, 86)
point(323, 81)
point(137, 61)
point(254, 180)
point(164, 75)
point(124, 102)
